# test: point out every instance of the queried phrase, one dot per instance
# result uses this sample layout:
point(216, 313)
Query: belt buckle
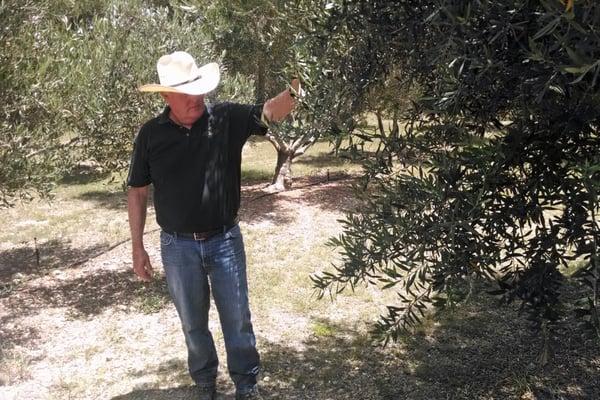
point(198, 237)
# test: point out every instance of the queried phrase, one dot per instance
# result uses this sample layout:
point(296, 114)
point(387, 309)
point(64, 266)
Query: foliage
point(500, 135)
point(69, 74)
point(505, 184)
point(248, 39)
point(23, 110)
point(269, 42)
point(70, 70)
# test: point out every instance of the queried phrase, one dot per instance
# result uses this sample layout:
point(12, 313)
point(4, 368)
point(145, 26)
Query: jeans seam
point(202, 256)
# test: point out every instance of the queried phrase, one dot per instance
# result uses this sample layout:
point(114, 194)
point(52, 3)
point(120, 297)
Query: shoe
point(207, 393)
point(251, 395)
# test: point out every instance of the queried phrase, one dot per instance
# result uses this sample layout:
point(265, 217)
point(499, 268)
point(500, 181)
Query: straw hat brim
point(209, 80)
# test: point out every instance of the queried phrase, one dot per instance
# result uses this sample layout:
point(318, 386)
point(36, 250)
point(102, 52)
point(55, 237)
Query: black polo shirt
point(195, 172)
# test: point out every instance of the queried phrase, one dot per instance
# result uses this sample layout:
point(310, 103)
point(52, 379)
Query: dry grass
point(77, 325)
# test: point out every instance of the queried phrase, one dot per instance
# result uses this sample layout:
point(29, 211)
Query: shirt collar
point(163, 118)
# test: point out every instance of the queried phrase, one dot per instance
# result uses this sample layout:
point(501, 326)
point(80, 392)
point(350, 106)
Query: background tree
point(261, 40)
point(69, 76)
point(70, 71)
point(505, 185)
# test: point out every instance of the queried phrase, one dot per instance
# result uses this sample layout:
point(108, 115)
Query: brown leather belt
point(201, 236)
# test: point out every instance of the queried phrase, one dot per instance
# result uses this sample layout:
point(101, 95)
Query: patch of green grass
point(284, 280)
point(521, 384)
point(70, 388)
point(252, 176)
point(112, 335)
point(321, 329)
point(74, 185)
point(7, 288)
point(152, 296)
point(574, 266)
point(83, 174)
point(67, 214)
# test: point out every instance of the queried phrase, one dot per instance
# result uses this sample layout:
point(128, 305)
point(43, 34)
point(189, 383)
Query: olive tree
point(69, 76)
point(263, 40)
point(504, 184)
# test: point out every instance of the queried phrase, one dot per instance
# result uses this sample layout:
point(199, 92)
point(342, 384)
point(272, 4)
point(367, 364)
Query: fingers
point(149, 266)
point(295, 84)
point(149, 269)
point(142, 267)
point(143, 273)
point(278, 107)
point(296, 87)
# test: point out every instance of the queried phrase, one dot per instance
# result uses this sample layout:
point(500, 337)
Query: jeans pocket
point(166, 239)
point(233, 233)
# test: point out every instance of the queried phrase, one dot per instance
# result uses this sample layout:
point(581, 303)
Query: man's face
point(186, 108)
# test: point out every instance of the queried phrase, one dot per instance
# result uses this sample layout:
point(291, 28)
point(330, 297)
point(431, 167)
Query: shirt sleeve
point(255, 123)
point(246, 118)
point(139, 170)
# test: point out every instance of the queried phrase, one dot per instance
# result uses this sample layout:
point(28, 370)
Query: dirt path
point(90, 330)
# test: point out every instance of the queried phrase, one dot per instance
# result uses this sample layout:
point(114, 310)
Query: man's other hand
point(141, 265)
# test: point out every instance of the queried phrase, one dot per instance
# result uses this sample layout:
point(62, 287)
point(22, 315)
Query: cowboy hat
point(178, 73)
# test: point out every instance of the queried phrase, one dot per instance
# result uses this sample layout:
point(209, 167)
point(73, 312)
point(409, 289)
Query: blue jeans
point(193, 268)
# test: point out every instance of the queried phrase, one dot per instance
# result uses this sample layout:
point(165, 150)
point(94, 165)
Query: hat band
point(186, 82)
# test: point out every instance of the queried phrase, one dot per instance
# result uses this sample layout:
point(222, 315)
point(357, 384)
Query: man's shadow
point(180, 393)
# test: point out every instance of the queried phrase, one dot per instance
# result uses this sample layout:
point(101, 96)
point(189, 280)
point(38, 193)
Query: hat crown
point(176, 68)
point(178, 73)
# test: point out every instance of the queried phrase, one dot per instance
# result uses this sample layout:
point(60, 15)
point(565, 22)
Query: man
point(191, 153)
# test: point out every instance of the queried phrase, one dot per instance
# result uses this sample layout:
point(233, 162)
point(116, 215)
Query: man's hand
point(141, 264)
point(280, 106)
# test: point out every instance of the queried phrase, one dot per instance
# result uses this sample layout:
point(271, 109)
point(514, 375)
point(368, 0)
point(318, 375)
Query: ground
point(75, 323)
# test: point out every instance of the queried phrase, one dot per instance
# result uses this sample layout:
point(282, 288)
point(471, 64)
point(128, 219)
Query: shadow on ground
point(324, 160)
point(258, 206)
point(181, 393)
point(48, 260)
point(112, 199)
point(252, 176)
point(475, 353)
point(327, 193)
point(84, 297)
point(92, 294)
point(83, 174)
point(40, 258)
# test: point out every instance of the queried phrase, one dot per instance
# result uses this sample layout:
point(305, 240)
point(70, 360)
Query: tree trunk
point(282, 180)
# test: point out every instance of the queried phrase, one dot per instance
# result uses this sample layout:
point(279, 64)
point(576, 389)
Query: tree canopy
point(69, 73)
point(501, 152)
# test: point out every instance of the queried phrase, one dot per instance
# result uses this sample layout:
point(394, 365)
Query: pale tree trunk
point(286, 153)
point(282, 180)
